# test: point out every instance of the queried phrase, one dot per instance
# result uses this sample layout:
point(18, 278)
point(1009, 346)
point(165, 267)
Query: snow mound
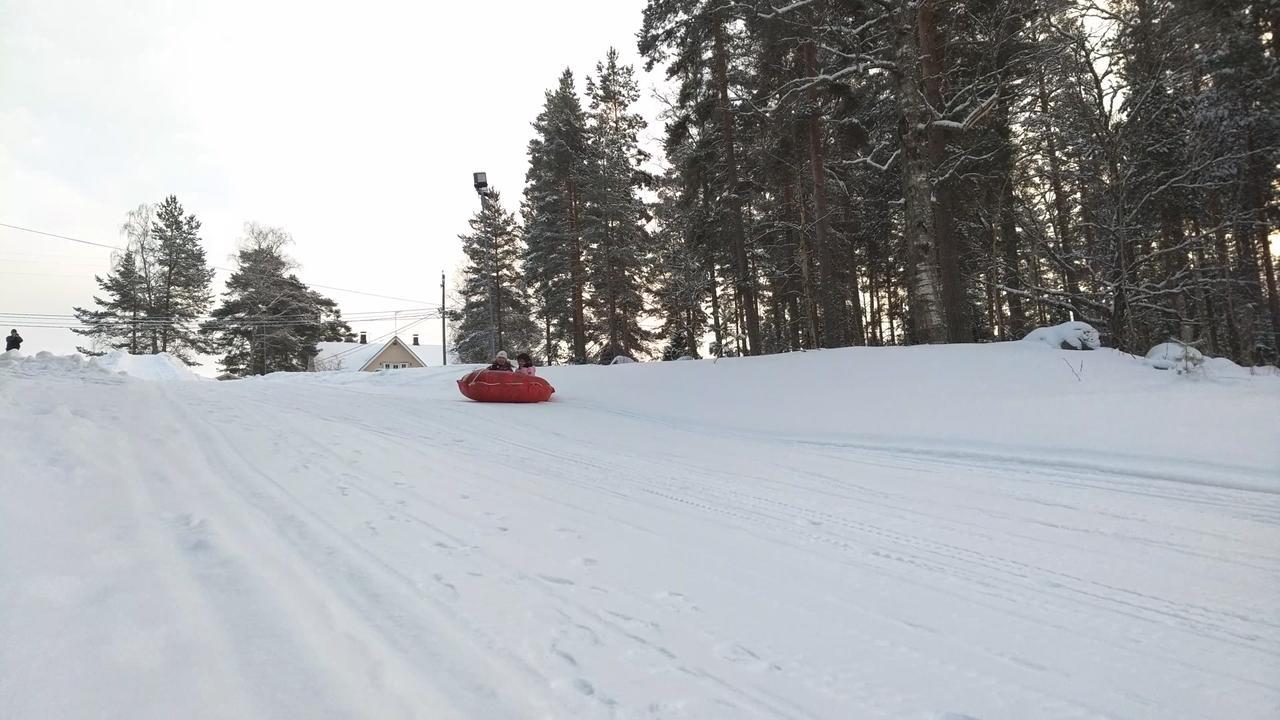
point(161, 367)
point(1171, 355)
point(622, 360)
point(1073, 335)
point(686, 357)
point(44, 363)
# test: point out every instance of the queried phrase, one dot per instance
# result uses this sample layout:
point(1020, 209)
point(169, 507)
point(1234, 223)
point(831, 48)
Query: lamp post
point(444, 330)
point(481, 182)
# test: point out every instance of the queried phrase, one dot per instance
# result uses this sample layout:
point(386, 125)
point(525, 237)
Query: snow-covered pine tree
point(680, 287)
point(120, 320)
point(698, 39)
point(181, 282)
point(157, 288)
point(618, 253)
point(495, 312)
point(269, 320)
point(552, 208)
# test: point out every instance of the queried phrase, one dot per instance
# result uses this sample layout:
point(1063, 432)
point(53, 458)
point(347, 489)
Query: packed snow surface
point(935, 532)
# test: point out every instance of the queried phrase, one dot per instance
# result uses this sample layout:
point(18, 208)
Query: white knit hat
point(502, 354)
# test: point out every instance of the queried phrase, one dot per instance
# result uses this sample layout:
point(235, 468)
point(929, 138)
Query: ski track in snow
point(311, 549)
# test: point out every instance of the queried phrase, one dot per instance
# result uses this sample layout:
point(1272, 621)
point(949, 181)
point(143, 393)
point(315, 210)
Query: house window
point(394, 366)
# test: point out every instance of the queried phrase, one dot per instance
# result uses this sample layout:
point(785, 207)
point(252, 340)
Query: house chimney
point(415, 338)
point(363, 340)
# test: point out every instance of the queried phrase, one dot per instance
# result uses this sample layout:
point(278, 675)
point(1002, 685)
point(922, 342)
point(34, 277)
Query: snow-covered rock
point(1072, 335)
point(1174, 355)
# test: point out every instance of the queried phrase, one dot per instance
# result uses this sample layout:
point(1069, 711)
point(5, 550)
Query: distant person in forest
point(501, 362)
point(525, 364)
point(13, 341)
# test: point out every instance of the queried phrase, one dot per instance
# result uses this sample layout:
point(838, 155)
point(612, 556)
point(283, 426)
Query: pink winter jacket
point(527, 370)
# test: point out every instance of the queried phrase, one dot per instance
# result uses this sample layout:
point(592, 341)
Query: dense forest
point(877, 172)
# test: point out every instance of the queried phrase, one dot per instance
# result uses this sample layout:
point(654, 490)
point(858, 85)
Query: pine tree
point(680, 289)
point(120, 322)
point(181, 283)
point(552, 208)
point(495, 312)
point(618, 256)
point(269, 320)
point(697, 36)
point(157, 290)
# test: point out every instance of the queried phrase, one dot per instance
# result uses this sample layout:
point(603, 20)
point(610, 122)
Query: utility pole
point(481, 182)
point(444, 337)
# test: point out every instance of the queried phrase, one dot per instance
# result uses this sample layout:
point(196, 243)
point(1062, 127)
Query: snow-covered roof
point(351, 357)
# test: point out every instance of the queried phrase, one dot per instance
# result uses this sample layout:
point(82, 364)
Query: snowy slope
point(161, 367)
point(871, 533)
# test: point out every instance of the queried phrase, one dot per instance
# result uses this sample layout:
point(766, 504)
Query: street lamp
point(481, 182)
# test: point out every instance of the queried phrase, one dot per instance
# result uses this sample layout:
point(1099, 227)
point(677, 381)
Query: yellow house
point(394, 354)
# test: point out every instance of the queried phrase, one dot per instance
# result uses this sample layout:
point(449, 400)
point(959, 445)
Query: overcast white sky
point(355, 126)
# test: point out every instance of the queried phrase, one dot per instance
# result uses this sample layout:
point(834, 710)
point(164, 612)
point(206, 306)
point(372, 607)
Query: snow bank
point(44, 363)
point(161, 367)
point(1174, 355)
point(1067, 336)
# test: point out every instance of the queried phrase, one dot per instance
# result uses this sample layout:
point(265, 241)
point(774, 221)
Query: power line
point(215, 267)
point(60, 237)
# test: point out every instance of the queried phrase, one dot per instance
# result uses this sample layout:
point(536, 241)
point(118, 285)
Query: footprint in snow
point(676, 601)
point(556, 580)
point(453, 590)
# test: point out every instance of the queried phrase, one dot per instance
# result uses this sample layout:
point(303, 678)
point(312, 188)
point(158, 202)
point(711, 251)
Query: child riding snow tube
point(504, 386)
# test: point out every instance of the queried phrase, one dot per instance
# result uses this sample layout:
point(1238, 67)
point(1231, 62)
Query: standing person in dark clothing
point(13, 341)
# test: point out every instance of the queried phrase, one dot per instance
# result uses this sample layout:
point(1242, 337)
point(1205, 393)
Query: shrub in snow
point(1174, 355)
point(621, 360)
point(1072, 335)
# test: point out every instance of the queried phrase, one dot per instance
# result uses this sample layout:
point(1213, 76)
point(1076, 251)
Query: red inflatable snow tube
point(504, 386)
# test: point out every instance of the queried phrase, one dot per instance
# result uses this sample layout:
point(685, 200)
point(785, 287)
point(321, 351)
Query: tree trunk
point(1269, 271)
point(1010, 246)
point(1061, 213)
point(806, 278)
point(932, 63)
point(1174, 262)
point(1224, 272)
point(1206, 309)
point(577, 276)
point(744, 284)
point(717, 331)
point(924, 287)
point(550, 346)
point(833, 320)
point(856, 334)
